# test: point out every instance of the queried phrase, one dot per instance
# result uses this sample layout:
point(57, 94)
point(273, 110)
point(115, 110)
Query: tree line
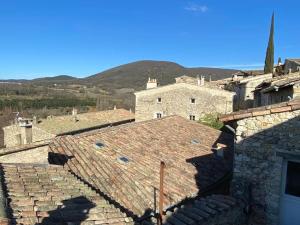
point(22, 104)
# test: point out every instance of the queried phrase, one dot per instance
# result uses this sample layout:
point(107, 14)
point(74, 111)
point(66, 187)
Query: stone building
point(291, 66)
point(267, 160)
point(278, 89)
point(26, 131)
point(244, 89)
point(189, 97)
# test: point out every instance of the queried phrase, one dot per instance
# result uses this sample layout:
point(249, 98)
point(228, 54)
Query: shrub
point(211, 120)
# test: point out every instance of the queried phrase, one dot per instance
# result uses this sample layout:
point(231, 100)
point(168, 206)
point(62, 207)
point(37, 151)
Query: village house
point(267, 161)
point(132, 154)
point(189, 97)
point(26, 131)
point(291, 66)
point(27, 140)
point(111, 175)
point(244, 87)
point(278, 89)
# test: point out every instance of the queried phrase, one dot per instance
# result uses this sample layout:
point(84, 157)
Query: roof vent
point(195, 142)
point(99, 145)
point(123, 160)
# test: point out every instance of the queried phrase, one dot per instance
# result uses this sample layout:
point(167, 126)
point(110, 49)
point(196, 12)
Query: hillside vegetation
point(135, 75)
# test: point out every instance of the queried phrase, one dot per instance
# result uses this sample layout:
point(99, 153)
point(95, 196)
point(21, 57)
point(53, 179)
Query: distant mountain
point(135, 75)
point(56, 79)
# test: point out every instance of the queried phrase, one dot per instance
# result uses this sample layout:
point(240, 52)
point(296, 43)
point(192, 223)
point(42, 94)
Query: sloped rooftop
point(41, 194)
point(280, 82)
point(123, 162)
point(203, 211)
point(66, 124)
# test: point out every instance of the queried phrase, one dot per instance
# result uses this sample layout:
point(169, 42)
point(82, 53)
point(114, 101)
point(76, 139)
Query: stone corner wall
point(257, 141)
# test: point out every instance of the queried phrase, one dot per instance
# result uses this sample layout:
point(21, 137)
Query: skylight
point(99, 145)
point(194, 141)
point(123, 159)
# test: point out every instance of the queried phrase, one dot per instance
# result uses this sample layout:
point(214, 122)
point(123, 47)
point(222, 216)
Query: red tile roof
point(185, 147)
point(260, 111)
point(203, 211)
point(42, 194)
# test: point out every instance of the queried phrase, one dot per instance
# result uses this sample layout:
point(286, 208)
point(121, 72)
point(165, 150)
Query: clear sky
point(83, 37)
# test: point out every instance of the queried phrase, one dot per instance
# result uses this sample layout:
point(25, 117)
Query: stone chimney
point(74, 115)
point(201, 80)
point(26, 131)
point(74, 112)
point(152, 83)
point(279, 62)
point(34, 120)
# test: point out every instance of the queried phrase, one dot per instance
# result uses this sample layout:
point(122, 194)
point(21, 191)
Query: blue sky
point(83, 37)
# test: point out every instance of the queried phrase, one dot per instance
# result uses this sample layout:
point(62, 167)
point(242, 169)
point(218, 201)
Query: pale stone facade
point(190, 101)
point(245, 90)
point(291, 65)
point(264, 143)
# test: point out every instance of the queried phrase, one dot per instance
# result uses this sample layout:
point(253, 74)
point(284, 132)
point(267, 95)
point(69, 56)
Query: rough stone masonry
point(265, 138)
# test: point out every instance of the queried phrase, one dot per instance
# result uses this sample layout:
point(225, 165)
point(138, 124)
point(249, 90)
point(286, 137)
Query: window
point(292, 185)
point(159, 100)
point(193, 101)
point(158, 115)
point(192, 117)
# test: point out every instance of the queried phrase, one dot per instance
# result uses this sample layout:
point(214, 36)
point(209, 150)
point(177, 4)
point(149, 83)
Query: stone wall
point(244, 90)
point(259, 139)
point(13, 135)
point(291, 65)
point(38, 155)
point(176, 100)
point(274, 97)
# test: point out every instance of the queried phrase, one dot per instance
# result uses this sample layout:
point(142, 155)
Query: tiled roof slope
point(214, 209)
point(280, 82)
point(65, 124)
point(21, 148)
point(185, 147)
point(40, 194)
point(264, 110)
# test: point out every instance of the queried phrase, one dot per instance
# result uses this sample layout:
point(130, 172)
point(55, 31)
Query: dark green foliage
point(211, 120)
point(22, 104)
point(135, 75)
point(269, 61)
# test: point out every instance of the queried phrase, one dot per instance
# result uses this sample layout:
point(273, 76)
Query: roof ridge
point(89, 133)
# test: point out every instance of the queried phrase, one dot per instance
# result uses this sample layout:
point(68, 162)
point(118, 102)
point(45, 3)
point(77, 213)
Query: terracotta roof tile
point(186, 147)
point(51, 195)
point(65, 124)
point(202, 210)
point(264, 110)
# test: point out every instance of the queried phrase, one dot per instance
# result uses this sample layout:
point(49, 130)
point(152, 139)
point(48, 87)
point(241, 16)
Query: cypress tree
point(269, 61)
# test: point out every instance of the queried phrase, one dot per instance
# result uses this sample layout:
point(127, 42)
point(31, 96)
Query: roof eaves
point(261, 111)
